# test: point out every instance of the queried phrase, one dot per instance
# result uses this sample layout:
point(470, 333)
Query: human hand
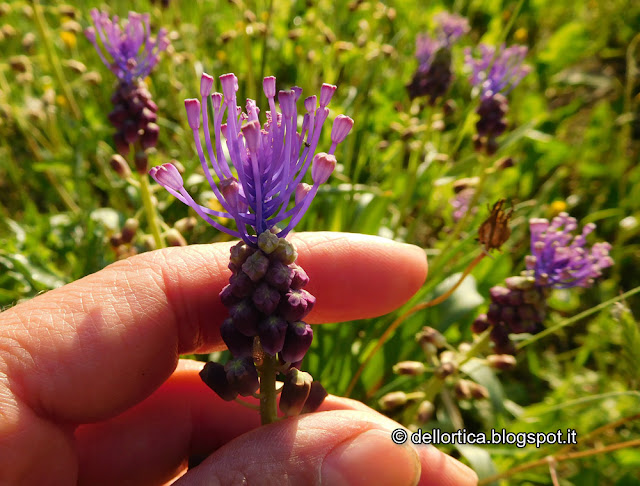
point(92, 390)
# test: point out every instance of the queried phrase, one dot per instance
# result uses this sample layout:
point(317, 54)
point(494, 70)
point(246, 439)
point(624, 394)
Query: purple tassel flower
point(263, 166)
point(256, 171)
point(434, 75)
point(561, 259)
point(450, 28)
point(494, 74)
point(133, 52)
point(497, 70)
point(130, 53)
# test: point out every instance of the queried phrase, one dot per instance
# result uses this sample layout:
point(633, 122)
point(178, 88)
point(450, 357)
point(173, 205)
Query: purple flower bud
point(229, 84)
point(227, 297)
point(216, 101)
point(193, 112)
point(341, 127)
point(297, 91)
point(480, 324)
point(215, 377)
point(130, 131)
point(245, 317)
point(269, 86)
point(326, 93)
point(272, 331)
point(241, 346)
point(311, 103)
point(121, 144)
point(241, 285)
point(150, 136)
point(322, 168)
point(206, 84)
point(287, 101)
point(230, 190)
point(256, 266)
point(168, 176)
point(266, 298)
point(301, 192)
point(296, 304)
point(240, 252)
point(279, 276)
point(300, 278)
point(493, 314)
point(285, 252)
point(499, 294)
point(295, 391)
point(120, 166)
point(118, 116)
point(297, 341)
point(268, 242)
point(242, 375)
point(251, 132)
point(317, 394)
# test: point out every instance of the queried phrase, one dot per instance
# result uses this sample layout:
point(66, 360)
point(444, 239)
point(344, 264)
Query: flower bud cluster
point(493, 75)
point(134, 117)
point(267, 304)
point(433, 82)
point(559, 260)
point(491, 123)
point(518, 307)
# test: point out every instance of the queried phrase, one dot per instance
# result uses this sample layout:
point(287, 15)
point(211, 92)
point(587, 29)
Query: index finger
point(95, 347)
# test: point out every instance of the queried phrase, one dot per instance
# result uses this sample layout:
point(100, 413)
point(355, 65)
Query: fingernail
point(371, 458)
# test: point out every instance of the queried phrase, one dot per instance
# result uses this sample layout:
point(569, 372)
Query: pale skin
point(92, 390)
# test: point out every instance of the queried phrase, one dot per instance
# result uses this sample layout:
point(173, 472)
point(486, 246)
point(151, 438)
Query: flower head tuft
point(561, 259)
point(496, 70)
point(133, 52)
point(258, 169)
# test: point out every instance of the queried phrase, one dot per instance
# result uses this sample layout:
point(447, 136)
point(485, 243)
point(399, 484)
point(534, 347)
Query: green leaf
point(480, 460)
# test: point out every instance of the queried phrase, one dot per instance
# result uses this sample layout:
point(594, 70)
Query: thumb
point(342, 447)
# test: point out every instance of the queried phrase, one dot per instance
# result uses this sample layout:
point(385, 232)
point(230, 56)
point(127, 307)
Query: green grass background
point(574, 138)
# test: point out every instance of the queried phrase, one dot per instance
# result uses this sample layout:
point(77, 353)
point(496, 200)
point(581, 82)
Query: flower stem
point(149, 210)
point(268, 394)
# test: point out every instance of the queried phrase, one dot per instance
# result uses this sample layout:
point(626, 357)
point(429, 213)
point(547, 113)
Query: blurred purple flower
point(562, 260)
point(496, 71)
point(449, 28)
point(433, 76)
point(270, 161)
point(426, 48)
point(460, 203)
point(134, 53)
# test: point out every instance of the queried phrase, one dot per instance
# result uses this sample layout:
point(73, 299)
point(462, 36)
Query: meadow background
point(574, 138)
